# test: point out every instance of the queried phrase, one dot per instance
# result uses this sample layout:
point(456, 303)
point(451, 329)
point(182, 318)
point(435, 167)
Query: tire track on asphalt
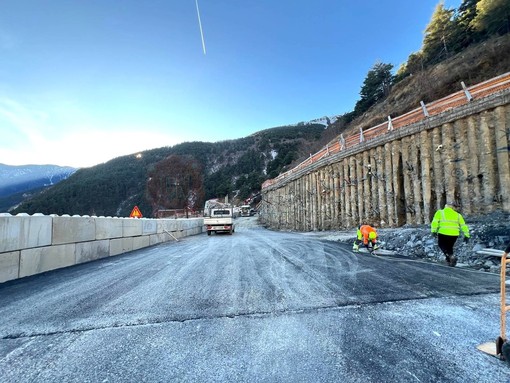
point(254, 315)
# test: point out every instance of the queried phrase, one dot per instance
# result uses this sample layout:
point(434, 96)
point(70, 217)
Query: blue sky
point(85, 81)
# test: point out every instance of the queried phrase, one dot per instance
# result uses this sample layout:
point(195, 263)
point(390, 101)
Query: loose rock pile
point(489, 231)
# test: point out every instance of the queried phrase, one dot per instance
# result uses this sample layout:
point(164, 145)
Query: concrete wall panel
point(108, 228)
point(24, 231)
point(41, 259)
point(121, 245)
point(73, 229)
point(9, 266)
point(141, 242)
point(132, 227)
point(169, 225)
point(89, 251)
point(150, 226)
point(156, 239)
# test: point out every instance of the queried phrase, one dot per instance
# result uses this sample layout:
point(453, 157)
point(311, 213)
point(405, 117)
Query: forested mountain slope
point(234, 167)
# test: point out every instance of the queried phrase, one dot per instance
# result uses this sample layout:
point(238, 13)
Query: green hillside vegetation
point(11, 200)
point(234, 167)
point(470, 44)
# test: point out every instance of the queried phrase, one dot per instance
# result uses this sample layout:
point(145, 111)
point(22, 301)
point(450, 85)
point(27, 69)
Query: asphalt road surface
point(255, 306)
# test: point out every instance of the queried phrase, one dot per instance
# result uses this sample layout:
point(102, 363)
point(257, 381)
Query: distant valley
point(18, 181)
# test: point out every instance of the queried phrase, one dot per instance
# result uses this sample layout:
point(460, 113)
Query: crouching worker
point(367, 235)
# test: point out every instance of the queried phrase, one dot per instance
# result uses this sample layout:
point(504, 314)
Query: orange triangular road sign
point(135, 213)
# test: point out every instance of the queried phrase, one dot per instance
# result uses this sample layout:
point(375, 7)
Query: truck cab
point(245, 210)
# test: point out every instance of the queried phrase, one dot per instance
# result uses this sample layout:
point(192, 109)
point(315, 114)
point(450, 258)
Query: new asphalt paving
point(255, 306)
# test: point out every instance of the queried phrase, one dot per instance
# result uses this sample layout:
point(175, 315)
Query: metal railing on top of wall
point(434, 108)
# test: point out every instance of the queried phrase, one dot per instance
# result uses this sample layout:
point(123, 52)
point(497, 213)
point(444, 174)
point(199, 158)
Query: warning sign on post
point(135, 213)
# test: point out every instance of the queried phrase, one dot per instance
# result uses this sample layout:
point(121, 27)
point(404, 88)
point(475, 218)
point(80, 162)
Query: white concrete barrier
point(34, 244)
point(90, 251)
point(73, 229)
point(149, 227)
point(9, 266)
point(41, 259)
point(108, 228)
point(132, 227)
point(24, 231)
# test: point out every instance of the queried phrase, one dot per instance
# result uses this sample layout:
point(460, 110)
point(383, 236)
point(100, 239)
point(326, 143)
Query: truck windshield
point(221, 212)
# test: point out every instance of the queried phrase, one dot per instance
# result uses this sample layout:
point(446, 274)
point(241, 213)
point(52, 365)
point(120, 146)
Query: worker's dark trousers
point(446, 242)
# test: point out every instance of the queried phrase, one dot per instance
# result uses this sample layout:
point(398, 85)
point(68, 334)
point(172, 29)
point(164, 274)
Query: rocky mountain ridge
point(15, 179)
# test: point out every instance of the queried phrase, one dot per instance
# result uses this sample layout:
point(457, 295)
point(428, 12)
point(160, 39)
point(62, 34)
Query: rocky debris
point(489, 231)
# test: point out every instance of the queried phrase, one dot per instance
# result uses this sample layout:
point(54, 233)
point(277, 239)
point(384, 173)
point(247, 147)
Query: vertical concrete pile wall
point(403, 176)
point(34, 244)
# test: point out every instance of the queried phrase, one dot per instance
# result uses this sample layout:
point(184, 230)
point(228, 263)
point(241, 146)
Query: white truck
point(218, 217)
point(245, 210)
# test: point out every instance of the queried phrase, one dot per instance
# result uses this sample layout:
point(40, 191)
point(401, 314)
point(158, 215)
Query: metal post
point(466, 91)
point(424, 108)
point(390, 124)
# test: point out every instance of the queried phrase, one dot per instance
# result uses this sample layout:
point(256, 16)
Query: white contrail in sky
point(200, 24)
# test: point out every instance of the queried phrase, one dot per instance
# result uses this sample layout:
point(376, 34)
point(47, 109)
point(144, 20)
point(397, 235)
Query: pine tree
point(376, 87)
point(465, 33)
point(439, 35)
point(493, 17)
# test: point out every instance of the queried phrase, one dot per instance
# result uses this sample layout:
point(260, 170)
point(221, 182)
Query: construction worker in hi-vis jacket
point(447, 225)
point(367, 235)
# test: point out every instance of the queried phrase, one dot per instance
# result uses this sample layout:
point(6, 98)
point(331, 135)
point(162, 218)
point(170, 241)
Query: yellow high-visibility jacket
point(449, 222)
